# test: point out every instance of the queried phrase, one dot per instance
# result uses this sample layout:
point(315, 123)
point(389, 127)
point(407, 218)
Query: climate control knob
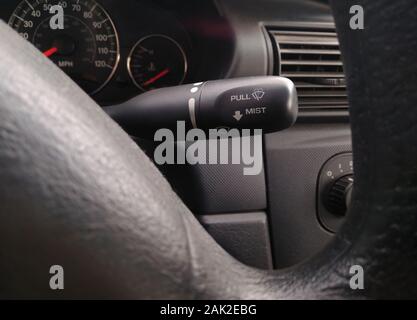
point(334, 188)
point(338, 196)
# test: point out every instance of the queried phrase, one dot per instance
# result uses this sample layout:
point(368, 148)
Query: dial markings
point(157, 61)
point(87, 49)
point(30, 6)
point(20, 18)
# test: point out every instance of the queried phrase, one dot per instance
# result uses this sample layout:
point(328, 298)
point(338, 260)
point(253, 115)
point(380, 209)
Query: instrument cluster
point(112, 49)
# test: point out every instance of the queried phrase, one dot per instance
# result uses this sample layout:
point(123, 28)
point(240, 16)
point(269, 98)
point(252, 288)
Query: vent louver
point(311, 59)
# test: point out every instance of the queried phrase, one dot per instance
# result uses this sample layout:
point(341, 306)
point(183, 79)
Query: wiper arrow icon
point(238, 115)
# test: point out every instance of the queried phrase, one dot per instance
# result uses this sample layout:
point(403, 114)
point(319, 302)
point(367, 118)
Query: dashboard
point(115, 50)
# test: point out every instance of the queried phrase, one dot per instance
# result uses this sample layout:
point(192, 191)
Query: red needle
point(50, 52)
point(157, 77)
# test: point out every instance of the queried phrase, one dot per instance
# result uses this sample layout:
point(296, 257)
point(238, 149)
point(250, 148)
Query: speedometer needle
point(50, 52)
point(157, 77)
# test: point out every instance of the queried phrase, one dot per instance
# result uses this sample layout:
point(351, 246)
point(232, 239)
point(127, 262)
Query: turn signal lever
point(268, 103)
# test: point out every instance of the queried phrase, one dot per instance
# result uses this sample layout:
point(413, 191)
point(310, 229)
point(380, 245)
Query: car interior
point(86, 84)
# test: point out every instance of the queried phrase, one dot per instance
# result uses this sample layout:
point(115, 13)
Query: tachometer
point(77, 35)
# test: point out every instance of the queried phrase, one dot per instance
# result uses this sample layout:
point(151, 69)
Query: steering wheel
point(76, 191)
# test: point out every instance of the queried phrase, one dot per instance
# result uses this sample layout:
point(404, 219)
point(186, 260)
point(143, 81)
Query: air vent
point(311, 59)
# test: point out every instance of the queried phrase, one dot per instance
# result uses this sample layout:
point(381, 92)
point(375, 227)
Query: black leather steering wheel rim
point(76, 191)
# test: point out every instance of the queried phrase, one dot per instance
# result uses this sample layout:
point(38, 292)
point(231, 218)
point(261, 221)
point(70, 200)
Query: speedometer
point(77, 35)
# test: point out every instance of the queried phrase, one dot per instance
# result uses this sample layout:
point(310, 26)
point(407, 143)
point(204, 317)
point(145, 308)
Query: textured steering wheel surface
point(76, 191)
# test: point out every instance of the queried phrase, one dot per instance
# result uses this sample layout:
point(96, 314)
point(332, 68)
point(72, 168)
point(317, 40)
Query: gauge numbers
point(86, 47)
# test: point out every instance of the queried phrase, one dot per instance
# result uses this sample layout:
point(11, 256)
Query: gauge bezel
point(116, 35)
point(129, 59)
